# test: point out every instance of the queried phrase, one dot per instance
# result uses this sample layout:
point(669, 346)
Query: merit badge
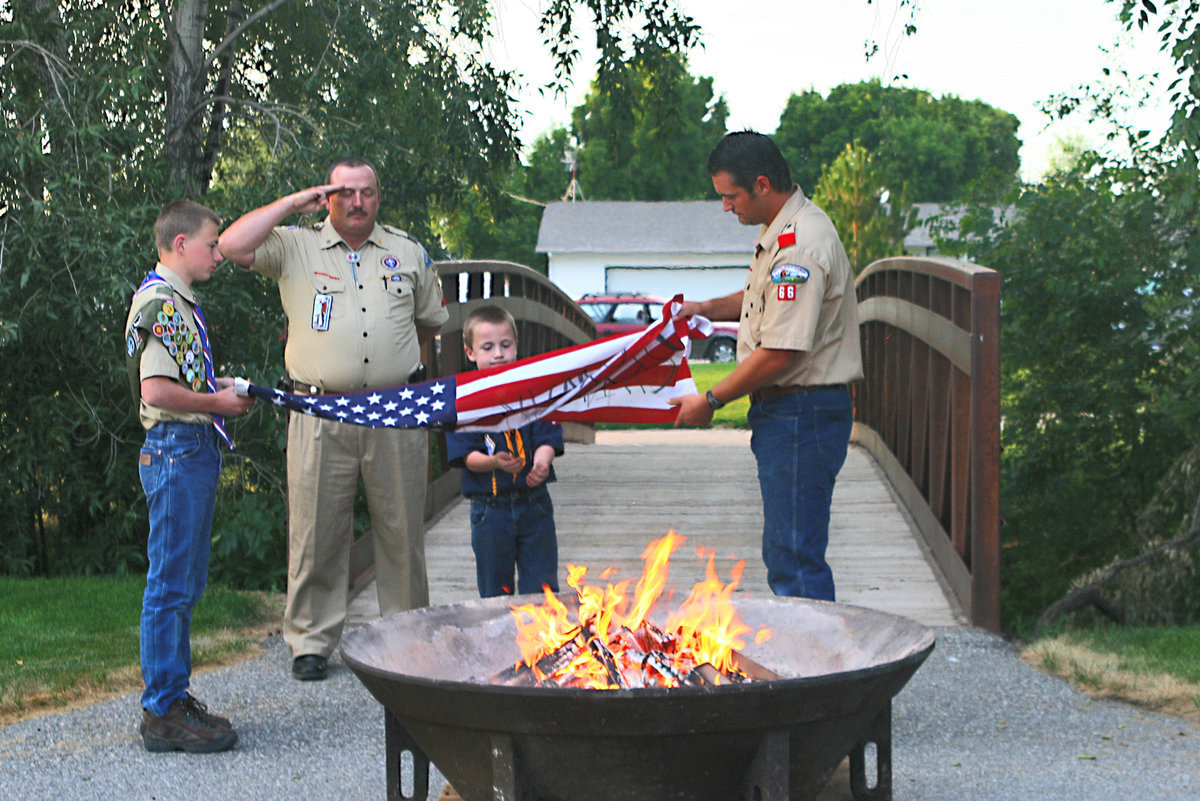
point(168, 308)
point(159, 329)
point(787, 238)
point(322, 311)
point(163, 318)
point(789, 274)
point(133, 341)
point(390, 262)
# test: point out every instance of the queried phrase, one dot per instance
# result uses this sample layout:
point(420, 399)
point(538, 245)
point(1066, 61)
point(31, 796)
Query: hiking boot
point(185, 727)
point(200, 710)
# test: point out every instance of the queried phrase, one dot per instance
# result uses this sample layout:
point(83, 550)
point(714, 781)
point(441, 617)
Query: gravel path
point(974, 723)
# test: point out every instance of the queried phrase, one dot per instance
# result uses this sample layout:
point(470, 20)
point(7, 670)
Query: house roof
point(617, 226)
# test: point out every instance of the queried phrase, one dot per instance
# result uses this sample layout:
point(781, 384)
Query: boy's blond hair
point(180, 217)
point(486, 314)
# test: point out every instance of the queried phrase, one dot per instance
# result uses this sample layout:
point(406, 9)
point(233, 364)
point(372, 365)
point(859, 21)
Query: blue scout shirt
point(522, 442)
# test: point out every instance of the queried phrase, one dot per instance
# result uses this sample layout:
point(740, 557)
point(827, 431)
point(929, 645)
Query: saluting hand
point(314, 199)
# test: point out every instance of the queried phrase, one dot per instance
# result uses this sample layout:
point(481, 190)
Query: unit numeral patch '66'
point(786, 291)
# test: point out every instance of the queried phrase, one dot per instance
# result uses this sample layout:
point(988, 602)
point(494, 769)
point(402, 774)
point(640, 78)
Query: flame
point(615, 645)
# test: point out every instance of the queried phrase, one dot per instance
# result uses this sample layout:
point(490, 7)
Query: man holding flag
point(798, 349)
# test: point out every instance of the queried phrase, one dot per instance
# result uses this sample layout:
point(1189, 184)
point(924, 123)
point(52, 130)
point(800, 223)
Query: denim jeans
point(514, 529)
point(799, 441)
point(179, 466)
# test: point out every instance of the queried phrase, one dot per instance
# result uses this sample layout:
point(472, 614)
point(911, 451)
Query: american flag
point(625, 378)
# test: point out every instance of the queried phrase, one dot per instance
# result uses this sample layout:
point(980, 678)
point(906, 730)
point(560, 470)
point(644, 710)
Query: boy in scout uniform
point(361, 301)
point(181, 406)
point(798, 348)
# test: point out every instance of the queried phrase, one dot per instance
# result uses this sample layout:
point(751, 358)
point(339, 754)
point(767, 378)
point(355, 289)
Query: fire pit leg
point(504, 768)
point(767, 779)
point(880, 734)
point(396, 742)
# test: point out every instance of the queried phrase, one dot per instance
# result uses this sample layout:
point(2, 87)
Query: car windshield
point(596, 311)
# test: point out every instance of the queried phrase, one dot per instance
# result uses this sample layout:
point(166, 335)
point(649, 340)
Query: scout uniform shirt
point(352, 315)
point(800, 296)
point(173, 328)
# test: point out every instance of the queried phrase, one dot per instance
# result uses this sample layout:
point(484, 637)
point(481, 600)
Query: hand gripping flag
point(625, 378)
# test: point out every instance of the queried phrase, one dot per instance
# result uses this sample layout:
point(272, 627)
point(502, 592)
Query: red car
point(622, 312)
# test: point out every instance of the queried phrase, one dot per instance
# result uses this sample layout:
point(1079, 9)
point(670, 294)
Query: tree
point(851, 192)
point(1097, 373)
point(943, 149)
point(109, 108)
point(655, 148)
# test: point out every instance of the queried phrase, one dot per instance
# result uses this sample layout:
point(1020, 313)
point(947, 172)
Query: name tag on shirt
point(322, 311)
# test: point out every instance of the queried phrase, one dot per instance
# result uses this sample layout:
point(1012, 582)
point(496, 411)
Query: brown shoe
point(200, 710)
point(183, 729)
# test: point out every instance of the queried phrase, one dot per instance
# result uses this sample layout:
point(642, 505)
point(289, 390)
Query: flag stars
point(390, 406)
point(406, 394)
point(374, 398)
point(343, 401)
point(422, 418)
point(437, 406)
point(422, 401)
point(358, 408)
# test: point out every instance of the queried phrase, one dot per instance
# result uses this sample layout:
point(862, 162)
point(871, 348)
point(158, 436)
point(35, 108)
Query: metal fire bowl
point(842, 666)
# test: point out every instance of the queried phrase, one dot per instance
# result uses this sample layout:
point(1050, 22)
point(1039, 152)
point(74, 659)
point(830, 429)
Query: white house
point(668, 247)
point(661, 248)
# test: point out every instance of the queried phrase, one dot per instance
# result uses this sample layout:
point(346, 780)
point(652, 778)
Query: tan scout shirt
point(346, 335)
point(800, 296)
point(156, 360)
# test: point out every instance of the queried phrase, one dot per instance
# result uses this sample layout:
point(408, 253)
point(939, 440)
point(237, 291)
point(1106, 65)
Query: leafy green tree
point(1097, 371)
point(943, 149)
point(851, 192)
point(655, 148)
point(110, 108)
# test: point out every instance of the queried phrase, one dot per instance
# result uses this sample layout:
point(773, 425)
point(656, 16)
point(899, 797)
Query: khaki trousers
point(325, 461)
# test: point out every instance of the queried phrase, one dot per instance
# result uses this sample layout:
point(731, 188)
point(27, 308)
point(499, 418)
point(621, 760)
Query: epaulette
point(396, 231)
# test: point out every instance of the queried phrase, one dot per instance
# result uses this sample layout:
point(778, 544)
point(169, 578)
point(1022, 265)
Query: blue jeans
point(514, 529)
point(179, 467)
point(799, 442)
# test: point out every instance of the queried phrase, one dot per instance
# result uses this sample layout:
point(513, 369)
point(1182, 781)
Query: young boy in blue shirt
point(505, 476)
point(181, 404)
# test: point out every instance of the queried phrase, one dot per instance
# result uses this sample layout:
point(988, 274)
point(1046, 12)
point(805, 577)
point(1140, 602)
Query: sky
point(1011, 54)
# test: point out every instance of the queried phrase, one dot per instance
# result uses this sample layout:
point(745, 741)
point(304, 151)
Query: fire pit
point(759, 741)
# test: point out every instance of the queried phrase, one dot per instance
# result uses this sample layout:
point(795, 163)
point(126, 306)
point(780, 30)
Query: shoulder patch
point(789, 274)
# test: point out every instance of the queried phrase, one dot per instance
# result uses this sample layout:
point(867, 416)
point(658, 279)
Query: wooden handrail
point(929, 411)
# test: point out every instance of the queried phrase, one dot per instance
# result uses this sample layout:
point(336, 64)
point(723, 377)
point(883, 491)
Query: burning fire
point(612, 644)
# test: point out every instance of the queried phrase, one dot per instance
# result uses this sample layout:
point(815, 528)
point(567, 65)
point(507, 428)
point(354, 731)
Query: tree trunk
point(216, 123)
point(183, 146)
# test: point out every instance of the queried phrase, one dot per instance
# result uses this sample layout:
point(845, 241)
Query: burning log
point(522, 675)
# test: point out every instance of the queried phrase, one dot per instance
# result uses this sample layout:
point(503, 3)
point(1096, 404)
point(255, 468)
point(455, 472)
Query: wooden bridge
point(915, 518)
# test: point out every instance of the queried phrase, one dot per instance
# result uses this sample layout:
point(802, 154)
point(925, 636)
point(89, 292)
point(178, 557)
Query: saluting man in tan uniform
point(361, 300)
point(798, 349)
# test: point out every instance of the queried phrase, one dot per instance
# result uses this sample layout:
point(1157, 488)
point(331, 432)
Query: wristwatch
point(713, 402)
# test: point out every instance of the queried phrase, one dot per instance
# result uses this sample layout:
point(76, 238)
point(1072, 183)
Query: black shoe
point(310, 667)
point(181, 729)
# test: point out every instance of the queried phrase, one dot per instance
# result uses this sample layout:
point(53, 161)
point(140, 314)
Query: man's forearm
point(726, 309)
point(244, 236)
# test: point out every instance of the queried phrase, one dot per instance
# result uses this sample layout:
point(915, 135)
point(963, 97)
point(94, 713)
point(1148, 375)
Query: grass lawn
point(1155, 667)
point(72, 640)
point(706, 375)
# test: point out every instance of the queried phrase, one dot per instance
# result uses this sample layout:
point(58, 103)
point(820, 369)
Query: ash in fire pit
point(767, 740)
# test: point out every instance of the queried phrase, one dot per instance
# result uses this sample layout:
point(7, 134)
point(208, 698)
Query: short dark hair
point(486, 314)
point(745, 155)
point(181, 217)
point(350, 161)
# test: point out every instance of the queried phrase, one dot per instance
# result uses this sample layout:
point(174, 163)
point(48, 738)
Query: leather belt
point(297, 388)
point(766, 393)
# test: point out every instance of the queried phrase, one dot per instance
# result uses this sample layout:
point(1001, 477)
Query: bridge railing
point(929, 411)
